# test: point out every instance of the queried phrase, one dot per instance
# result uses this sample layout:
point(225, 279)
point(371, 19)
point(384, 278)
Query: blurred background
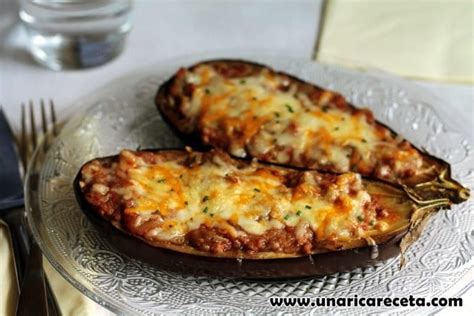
point(427, 40)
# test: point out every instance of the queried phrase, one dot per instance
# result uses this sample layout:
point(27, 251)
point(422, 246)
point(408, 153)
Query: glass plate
point(123, 115)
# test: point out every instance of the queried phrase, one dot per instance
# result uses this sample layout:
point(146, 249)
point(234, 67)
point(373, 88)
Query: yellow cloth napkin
point(70, 300)
point(8, 286)
point(429, 39)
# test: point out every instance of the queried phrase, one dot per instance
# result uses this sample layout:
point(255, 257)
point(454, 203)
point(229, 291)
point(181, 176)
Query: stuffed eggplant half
point(249, 110)
point(205, 210)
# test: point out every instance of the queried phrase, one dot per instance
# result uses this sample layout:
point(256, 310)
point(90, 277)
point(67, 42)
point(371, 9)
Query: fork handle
point(21, 244)
point(32, 300)
point(15, 219)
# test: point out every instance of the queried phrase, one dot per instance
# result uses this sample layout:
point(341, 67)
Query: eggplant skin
point(434, 182)
point(189, 264)
point(191, 261)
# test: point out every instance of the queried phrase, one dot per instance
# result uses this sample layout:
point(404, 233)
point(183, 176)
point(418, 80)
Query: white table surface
point(165, 29)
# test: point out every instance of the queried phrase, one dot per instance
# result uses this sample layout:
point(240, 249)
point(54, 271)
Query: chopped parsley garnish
point(360, 218)
point(207, 91)
point(336, 128)
point(211, 214)
point(242, 81)
point(287, 216)
point(205, 198)
point(364, 140)
point(256, 189)
point(325, 108)
point(307, 207)
point(180, 176)
point(277, 114)
point(298, 213)
point(205, 209)
point(254, 98)
point(372, 222)
point(290, 109)
point(161, 180)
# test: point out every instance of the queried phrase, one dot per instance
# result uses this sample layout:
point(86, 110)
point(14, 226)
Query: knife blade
point(11, 190)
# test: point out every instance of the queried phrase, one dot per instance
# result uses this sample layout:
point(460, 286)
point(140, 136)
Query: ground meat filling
point(100, 176)
point(276, 240)
point(394, 160)
point(105, 184)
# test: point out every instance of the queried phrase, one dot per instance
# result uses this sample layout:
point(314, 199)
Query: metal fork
point(35, 288)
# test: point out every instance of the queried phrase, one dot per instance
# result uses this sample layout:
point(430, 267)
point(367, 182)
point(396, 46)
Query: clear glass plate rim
point(103, 91)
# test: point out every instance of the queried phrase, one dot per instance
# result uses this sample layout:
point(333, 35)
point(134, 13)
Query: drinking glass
point(71, 34)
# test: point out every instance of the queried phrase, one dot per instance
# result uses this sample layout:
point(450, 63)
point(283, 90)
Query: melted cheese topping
point(249, 200)
point(264, 120)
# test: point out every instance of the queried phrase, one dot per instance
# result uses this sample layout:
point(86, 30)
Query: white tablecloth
point(164, 29)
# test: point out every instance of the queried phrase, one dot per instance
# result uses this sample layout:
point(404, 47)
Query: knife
point(12, 211)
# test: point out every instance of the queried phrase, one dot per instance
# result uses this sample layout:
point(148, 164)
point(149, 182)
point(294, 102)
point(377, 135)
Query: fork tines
point(29, 141)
